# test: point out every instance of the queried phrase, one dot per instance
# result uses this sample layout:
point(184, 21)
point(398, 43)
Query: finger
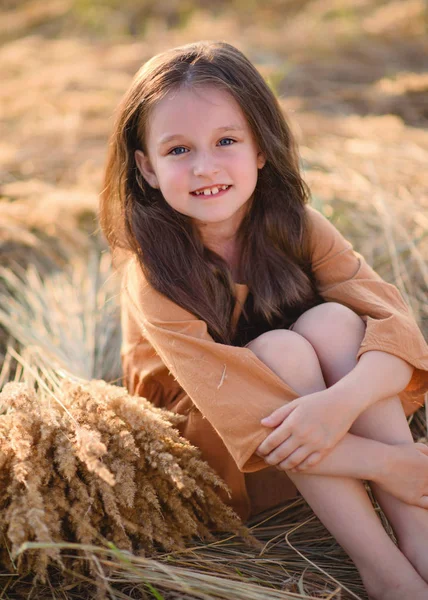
point(312, 460)
point(295, 458)
point(422, 447)
point(278, 415)
point(273, 440)
point(282, 452)
point(423, 502)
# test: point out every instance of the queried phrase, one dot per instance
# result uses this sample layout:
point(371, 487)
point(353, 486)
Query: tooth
point(213, 190)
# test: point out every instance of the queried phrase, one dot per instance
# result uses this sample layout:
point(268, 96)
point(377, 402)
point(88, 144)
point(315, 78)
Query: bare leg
point(385, 422)
point(344, 507)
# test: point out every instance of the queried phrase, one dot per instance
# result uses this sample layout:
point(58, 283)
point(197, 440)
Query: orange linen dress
point(169, 358)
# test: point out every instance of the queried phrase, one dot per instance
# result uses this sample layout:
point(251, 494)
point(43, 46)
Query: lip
point(220, 193)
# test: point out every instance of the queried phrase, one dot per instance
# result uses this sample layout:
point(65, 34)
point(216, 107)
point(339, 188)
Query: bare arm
point(307, 429)
point(400, 470)
point(376, 376)
point(356, 457)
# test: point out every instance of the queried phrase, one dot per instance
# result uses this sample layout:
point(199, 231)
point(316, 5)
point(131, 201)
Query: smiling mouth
point(202, 194)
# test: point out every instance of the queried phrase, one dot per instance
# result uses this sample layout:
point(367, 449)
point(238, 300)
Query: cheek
point(176, 174)
point(248, 174)
point(247, 162)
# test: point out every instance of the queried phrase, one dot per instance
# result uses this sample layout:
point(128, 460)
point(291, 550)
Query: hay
point(99, 465)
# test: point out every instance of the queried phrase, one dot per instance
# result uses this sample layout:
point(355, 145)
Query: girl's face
point(200, 140)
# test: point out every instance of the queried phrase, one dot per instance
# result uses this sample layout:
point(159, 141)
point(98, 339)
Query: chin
point(214, 218)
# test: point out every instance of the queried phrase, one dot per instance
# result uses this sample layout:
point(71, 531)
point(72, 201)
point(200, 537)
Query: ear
point(146, 169)
point(261, 160)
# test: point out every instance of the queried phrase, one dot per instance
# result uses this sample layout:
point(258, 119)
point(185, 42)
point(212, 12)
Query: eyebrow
point(174, 136)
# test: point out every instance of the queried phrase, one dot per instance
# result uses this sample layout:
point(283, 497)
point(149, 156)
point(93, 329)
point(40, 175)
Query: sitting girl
point(241, 302)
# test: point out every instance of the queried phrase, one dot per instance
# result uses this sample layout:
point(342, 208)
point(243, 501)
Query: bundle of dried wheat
point(99, 465)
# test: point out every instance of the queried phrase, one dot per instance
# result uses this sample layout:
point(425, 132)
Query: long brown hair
point(273, 235)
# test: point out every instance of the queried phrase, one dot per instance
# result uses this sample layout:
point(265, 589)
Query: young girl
point(242, 302)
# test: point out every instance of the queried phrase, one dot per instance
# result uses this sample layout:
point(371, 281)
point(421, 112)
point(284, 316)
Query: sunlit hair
point(273, 235)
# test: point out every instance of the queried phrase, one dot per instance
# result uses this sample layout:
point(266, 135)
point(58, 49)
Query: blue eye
point(230, 140)
point(178, 148)
point(173, 153)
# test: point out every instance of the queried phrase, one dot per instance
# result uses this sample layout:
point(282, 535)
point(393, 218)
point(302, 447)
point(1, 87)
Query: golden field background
point(352, 77)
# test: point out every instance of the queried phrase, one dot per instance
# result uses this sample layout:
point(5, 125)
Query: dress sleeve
point(343, 276)
point(144, 373)
point(230, 386)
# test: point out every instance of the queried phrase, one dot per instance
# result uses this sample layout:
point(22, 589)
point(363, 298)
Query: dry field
point(352, 76)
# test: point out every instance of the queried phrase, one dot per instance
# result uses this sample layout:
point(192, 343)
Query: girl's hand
point(406, 477)
point(306, 429)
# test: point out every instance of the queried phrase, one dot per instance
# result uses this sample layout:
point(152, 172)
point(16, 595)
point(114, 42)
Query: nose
point(205, 165)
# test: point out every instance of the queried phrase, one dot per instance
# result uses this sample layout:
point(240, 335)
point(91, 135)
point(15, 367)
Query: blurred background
point(351, 75)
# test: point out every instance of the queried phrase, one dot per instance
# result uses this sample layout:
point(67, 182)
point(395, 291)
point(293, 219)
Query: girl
point(241, 302)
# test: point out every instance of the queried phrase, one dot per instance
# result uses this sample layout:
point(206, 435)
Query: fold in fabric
point(229, 385)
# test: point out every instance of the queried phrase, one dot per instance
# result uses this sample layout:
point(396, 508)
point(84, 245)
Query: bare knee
point(291, 357)
point(330, 321)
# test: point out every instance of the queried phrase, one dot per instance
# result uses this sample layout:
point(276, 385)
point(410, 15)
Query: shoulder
point(325, 239)
point(149, 304)
point(133, 279)
point(317, 222)
point(134, 285)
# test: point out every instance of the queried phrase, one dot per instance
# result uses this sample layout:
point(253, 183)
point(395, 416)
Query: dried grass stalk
point(104, 466)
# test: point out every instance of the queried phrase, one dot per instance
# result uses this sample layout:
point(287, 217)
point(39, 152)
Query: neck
point(221, 236)
point(231, 254)
point(218, 235)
